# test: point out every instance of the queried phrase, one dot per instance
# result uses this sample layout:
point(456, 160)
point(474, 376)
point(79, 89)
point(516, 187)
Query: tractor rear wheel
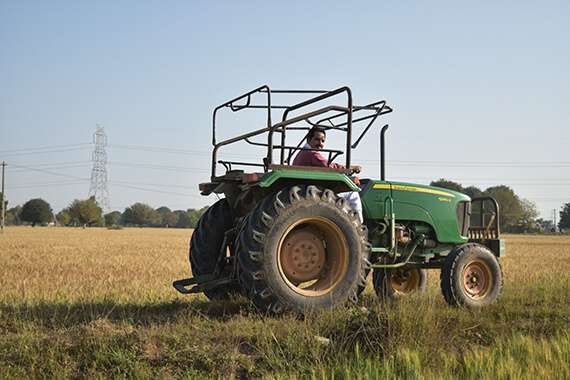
point(302, 249)
point(399, 282)
point(471, 276)
point(206, 247)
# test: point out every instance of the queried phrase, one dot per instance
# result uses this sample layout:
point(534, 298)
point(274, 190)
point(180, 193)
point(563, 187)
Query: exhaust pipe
point(382, 150)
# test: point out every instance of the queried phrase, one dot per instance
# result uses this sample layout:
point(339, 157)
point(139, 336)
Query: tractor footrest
point(182, 286)
point(200, 283)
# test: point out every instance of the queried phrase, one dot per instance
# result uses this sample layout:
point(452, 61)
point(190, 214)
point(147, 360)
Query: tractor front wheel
point(302, 249)
point(471, 276)
point(396, 283)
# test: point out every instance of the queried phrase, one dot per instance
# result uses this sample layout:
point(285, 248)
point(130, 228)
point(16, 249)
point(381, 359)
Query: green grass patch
point(419, 337)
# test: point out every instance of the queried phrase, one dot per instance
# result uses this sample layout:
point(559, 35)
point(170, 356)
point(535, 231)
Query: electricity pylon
point(98, 186)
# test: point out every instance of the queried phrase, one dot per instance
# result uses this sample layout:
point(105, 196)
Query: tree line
point(517, 215)
point(87, 213)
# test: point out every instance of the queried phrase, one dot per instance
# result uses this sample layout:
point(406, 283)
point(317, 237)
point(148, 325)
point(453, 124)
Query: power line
point(50, 147)
point(45, 151)
point(52, 184)
point(180, 151)
point(49, 172)
point(158, 149)
point(150, 166)
point(538, 180)
point(159, 167)
point(56, 166)
point(156, 185)
point(414, 162)
point(465, 164)
point(57, 163)
point(486, 162)
point(153, 190)
point(184, 151)
point(72, 164)
point(118, 183)
point(69, 164)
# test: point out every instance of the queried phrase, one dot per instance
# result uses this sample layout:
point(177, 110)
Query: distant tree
point(473, 191)
point(140, 214)
point(113, 218)
point(13, 216)
point(163, 210)
point(447, 184)
point(63, 217)
point(527, 220)
point(545, 225)
point(510, 207)
point(193, 215)
point(184, 219)
point(86, 212)
point(169, 220)
point(564, 222)
point(188, 218)
point(36, 211)
point(167, 217)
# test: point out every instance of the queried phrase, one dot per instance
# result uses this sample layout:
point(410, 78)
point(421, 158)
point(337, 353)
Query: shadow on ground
point(70, 314)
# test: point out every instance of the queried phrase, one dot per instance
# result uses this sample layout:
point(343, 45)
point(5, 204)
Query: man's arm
point(320, 160)
point(317, 159)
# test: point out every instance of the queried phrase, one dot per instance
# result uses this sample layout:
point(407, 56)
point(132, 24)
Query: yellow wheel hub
point(477, 279)
point(405, 281)
point(313, 256)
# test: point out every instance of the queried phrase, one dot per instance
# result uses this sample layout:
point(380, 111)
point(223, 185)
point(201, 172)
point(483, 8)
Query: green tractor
point(285, 237)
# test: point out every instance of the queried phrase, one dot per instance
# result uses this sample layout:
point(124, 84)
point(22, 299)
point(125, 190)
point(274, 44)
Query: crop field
point(98, 303)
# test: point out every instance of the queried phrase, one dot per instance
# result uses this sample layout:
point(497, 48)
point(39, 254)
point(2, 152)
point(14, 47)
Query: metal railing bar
point(298, 91)
point(258, 106)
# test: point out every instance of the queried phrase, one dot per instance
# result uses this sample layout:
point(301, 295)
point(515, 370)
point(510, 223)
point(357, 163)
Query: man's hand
point(355, 168)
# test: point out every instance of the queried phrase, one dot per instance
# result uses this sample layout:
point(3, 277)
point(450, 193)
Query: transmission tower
point(98, 186)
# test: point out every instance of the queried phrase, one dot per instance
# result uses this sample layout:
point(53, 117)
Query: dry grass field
point(98, 303)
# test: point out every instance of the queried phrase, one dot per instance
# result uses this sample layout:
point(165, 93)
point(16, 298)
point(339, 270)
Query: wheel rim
point(405, 281)
point(313, 256)
point(477, 279)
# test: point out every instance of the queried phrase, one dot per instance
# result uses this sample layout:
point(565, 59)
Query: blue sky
point(480, 90)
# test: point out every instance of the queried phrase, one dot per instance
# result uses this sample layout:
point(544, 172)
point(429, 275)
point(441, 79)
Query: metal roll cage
point(327, 113)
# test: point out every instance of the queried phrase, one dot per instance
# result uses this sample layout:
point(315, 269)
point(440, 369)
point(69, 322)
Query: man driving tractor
point(309, 156)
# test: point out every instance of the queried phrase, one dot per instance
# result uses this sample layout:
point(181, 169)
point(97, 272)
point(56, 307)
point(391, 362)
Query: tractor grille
point(463, 217)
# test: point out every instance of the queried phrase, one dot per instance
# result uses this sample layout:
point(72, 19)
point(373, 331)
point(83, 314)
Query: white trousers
point(353, 200)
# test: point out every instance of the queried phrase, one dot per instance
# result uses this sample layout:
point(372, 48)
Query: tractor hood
point(442, 209)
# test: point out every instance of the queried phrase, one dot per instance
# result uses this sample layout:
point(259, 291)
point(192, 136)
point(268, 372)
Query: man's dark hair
point(314, 130)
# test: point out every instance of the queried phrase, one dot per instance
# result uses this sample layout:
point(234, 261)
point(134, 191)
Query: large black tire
point(206, 246)
point(297, 228)
point(471, 276)
point(391, 284)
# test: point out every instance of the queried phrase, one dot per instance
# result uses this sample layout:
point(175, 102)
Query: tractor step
point(181, 286)
point(206, 282)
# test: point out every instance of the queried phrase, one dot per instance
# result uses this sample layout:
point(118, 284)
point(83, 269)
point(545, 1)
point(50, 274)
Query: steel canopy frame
point(244, 102)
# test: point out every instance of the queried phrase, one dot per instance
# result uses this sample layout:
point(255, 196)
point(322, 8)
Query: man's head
point(316, 137)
